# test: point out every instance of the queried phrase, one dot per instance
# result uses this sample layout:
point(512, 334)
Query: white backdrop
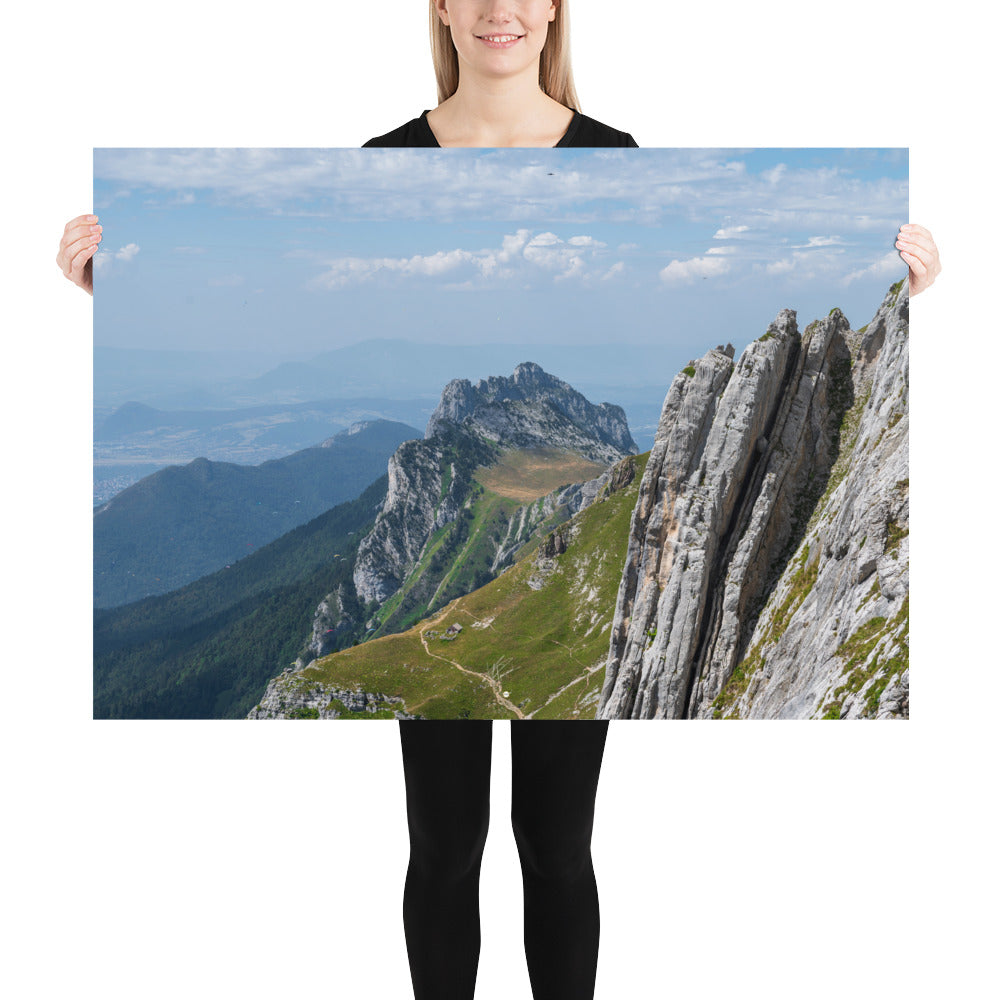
point(227, 860)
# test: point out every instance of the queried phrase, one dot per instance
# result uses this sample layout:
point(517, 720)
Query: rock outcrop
point(533, 409)
point(332, 622)
point(430, 481)
point(767, 567)
point(290, 696)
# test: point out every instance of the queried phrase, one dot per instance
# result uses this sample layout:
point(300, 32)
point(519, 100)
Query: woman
point(504, 79)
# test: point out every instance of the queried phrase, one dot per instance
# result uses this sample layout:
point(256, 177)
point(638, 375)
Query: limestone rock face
point(292, 696)
point(330, 622)
point(533, 409)
point(430, 480)
point(767, 567)
point(414, 506)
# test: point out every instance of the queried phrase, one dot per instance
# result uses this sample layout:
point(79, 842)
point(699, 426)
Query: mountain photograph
point(553, 544)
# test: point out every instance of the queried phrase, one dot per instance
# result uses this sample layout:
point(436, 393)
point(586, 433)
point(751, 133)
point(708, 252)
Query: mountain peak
point(532, 408)
point(528, 371)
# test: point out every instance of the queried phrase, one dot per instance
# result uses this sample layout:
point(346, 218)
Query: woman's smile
point(499, 41)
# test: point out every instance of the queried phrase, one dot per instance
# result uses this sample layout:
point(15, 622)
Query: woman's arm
point(76, 250)
point(916, 246)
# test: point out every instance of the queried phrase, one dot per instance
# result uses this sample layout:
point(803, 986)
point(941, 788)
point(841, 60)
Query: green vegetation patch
point(736, 685)
point(302, 713)
point(863, 664)
point(894, 536)
point(800, 585)
point(874, 591)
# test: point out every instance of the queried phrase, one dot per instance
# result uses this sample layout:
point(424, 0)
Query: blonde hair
point(555, 74)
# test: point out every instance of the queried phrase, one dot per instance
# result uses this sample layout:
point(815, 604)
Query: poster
point(511, 336)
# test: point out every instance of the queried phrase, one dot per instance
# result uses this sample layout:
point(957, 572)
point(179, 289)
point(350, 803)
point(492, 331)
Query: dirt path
point(587, 671)
point(497, 689)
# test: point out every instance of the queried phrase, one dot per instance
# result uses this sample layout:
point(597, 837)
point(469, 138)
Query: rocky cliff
point(768, 557)
point(431, 481)
point(534, 409)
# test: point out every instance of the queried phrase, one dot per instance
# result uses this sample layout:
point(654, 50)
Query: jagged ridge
point(532, 408)
point(431, 481)
point(736, 598)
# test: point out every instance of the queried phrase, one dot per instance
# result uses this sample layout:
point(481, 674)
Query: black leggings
point(555, 768)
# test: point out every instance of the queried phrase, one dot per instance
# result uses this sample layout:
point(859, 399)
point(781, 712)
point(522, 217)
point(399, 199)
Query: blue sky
point(298, 251)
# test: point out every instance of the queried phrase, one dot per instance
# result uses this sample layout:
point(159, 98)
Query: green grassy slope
point(525, 649)
point(458, 558)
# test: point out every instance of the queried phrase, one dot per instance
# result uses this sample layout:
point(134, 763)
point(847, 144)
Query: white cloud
point(775, 174)
point(567, 258)
point(682, 272)
point(524, 188)
point(730, 233)
point(888, 266)
point(106, 260)
point(822, 241)
point(777, 267)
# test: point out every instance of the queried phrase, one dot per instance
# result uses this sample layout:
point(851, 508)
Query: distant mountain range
point(137, 433)
point(392, 379)
point(186, 521)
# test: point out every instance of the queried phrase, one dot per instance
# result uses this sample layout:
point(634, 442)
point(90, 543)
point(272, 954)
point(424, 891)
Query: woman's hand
point(916, 246)
point(77, 247)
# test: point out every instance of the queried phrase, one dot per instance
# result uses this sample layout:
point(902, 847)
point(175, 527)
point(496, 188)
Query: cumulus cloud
point(888, 266)
point(730, 232)
point(683, 272)
point(518, 252)
point(106, 260)
point(822, 241)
